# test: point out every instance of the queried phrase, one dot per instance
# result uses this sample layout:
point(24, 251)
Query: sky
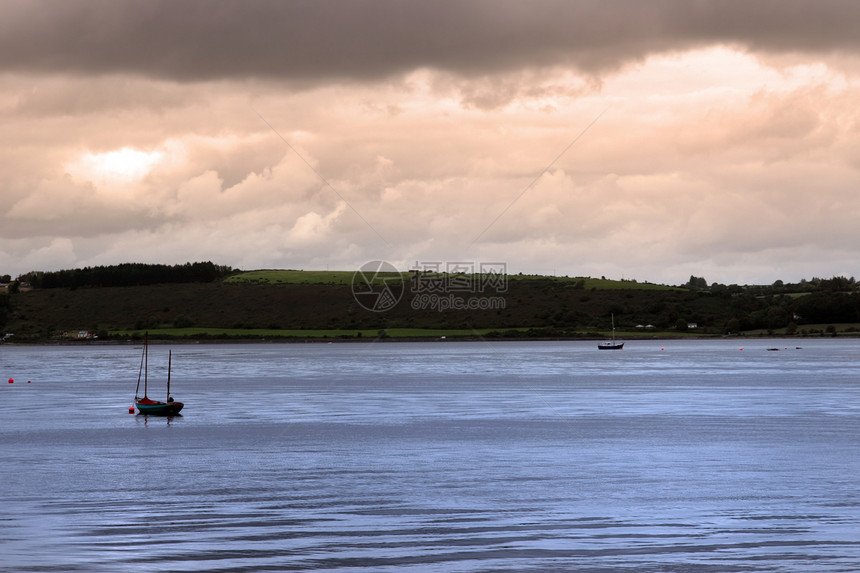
point(632, 140)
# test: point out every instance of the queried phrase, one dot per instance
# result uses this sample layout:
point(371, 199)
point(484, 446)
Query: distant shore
point(366, 340)
point(306, 306)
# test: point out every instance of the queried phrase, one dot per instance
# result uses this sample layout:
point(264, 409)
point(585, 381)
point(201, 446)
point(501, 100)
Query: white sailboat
point(611, 344)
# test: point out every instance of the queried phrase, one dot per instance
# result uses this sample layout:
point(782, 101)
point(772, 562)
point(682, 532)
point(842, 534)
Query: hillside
point(316, 303)
point(301, 304)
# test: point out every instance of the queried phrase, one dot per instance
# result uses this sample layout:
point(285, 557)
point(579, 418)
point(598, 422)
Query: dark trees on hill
point(5, 306)
point(823, 307)
point(127, 274)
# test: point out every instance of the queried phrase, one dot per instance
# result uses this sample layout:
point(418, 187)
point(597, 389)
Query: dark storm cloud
point(365, 39)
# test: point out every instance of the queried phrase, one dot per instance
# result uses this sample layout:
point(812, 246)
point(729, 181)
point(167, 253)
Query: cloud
point(727, 147)
point(310, 41)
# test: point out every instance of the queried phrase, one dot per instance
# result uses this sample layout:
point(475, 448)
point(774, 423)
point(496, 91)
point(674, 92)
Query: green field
point(274, 276)
point(286, 333)
point(608, 284)
point(270, 276)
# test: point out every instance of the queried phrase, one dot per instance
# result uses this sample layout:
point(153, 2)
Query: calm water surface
point(546, 456)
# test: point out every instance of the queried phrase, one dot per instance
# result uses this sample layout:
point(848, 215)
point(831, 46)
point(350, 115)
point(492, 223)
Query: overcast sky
point(626, 139)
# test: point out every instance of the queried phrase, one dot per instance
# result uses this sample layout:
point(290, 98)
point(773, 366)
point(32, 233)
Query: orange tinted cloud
point(727, 147)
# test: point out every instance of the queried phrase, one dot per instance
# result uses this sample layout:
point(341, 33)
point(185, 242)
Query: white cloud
point(709, 162)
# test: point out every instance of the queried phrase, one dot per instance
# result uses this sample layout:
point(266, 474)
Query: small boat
point(147, 405)
point(611, 344)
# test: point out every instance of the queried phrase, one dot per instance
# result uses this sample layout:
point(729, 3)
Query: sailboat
point(146, 405)
point(611, 344)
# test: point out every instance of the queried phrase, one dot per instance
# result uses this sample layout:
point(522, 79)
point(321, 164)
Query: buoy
point(11, 381)
point(131, 409)
point(28, 381)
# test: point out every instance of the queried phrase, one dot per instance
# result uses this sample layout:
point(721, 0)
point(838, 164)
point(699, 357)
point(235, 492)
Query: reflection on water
point(667, 456)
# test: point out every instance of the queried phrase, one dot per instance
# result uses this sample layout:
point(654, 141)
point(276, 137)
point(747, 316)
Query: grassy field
point(292, 277)
point(440, 333)
point(370, 334)
point(609, 284)
point(840, 329)
point(304, 333)
point(273, 276)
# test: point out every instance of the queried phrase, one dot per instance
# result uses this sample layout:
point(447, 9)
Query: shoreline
point(367, 340)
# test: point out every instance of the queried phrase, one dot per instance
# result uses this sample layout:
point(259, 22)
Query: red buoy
point(11, 381)
point(131, 409)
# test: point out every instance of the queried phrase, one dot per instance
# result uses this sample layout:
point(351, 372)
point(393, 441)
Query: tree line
point(5, 308)
point(815, 284)
point(790, 308)
point(126, 274)
point(787, 305)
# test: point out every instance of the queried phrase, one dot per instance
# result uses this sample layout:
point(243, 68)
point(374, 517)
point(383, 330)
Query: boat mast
point(145, 362)
point(169, 356)
point(613, 328)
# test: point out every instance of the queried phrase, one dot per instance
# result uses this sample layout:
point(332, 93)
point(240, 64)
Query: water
point(542, 456)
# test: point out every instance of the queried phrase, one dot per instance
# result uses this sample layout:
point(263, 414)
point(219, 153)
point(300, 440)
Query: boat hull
point(160, 408)
point(611, 344)
point(147, 405)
